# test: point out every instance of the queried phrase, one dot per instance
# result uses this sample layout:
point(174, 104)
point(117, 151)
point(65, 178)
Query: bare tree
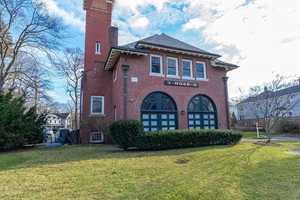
point(29, 78)
point(270, 104)
point(70, 67)
point(35, 33)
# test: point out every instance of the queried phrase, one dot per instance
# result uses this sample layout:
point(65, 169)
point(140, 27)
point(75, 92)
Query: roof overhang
point(223, 65)
point(180, 51)
point(115, 54)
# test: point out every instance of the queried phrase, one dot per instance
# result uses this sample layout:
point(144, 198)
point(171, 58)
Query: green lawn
point(253, 135)
point(245, 171)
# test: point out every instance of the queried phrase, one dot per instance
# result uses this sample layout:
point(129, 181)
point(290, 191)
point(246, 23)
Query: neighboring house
point(246, 111)
point(161, 81)
point(56, 121)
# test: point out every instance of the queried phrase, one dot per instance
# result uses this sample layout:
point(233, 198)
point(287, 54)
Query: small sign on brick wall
point(181, 83)
point(134, 79)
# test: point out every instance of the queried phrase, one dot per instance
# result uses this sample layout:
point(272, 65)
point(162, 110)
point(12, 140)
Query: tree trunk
point(76, 118)
point(268, 132)
point(76, 112)
point(1, 85)
point(268, 137)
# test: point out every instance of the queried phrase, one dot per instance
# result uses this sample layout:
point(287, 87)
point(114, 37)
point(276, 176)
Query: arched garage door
point(202, 113)
point(159, 112)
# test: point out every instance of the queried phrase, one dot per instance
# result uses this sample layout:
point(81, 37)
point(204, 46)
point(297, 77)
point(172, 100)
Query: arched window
point(159, 112)
point(202, 113)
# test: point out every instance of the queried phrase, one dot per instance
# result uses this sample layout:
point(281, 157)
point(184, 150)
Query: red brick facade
point(140, 68)
point(110, 84)
point(96, 81)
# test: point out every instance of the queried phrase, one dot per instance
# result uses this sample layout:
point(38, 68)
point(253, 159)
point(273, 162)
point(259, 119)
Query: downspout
point(125, 69)
point(225, 80)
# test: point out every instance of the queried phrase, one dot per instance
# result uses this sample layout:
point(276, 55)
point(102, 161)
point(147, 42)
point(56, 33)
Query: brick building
point(165, 83)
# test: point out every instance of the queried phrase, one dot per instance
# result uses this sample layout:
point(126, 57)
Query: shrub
point(124, 133)
point(286, 126)
point(186, 138)
point(18, 125)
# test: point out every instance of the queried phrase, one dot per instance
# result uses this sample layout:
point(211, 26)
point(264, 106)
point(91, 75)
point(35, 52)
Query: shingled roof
point(166, 41)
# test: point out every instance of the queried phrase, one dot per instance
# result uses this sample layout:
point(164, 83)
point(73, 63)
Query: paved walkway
point(280, 138)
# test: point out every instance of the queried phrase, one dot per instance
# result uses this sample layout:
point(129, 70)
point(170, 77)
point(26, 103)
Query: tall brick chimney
point(100, 36)
point(98, 29)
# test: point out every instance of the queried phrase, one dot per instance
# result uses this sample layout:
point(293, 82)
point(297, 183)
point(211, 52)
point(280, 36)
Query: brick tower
point(100, 37)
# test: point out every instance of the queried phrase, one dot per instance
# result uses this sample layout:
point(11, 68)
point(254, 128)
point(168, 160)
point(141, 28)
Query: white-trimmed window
point(98, 48)
point(172, 67)
point(97, 105)
point(96, 137)
point(156, 68)
point(187, 70)
point(200, 71)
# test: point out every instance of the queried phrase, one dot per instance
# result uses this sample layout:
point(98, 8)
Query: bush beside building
point(130, 134)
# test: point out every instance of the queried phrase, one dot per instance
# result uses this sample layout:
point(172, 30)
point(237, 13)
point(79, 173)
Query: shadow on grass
point(42, 156)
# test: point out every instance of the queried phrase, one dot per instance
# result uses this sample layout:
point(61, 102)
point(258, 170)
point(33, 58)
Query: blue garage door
point(159, 112)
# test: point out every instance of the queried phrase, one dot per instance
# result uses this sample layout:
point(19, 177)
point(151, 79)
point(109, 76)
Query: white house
point(246, 109)
point(56, 121)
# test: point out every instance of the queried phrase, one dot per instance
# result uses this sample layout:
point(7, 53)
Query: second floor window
point(98, 48)
point(172, 64)
point(156, 65)
point(187, 69)
point(200, 70)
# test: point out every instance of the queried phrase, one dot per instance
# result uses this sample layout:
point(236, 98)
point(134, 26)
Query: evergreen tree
point(18, 125)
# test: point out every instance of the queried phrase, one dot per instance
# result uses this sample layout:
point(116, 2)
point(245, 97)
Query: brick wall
point(139, 68)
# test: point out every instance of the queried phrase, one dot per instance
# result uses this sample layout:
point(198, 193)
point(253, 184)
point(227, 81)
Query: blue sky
point(262, 36)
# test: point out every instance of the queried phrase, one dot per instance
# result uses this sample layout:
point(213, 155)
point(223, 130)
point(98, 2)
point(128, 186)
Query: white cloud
point(134, 5)
point(261, 36)
point(140, 22)
point(69, 17)
point(195, 23)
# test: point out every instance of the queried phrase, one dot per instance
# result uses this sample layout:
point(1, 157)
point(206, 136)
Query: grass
point(253, 135)
point(245, 171)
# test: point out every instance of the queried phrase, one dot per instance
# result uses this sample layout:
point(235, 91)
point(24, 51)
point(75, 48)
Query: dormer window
point(98, 48)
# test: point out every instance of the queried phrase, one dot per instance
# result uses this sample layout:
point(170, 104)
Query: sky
point(261, 36)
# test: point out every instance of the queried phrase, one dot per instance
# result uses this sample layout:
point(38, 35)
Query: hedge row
point(129, 134)
point(125, 132)
point(186, 138)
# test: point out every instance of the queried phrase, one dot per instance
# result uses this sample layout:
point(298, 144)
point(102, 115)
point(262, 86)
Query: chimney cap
point(86, 3)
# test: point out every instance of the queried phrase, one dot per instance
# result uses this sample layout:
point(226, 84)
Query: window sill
point(97, 115)
point(158, 75)
point(172, 76)
point(201, 79)
point(188, 78)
